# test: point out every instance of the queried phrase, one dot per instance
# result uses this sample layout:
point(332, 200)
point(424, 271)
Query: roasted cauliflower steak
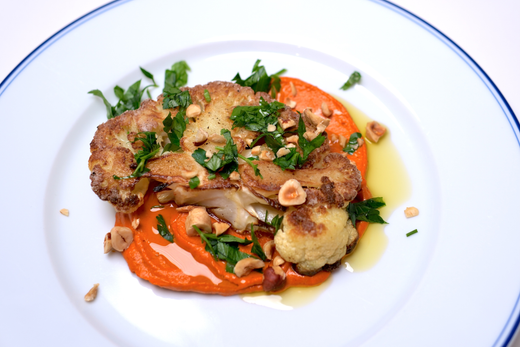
point(314, 235)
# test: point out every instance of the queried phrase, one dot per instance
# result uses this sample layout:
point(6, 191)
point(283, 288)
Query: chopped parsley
point(259, 81)
point(175, 78)
point(149, 149)
point(411, 233)
point(129, 99)
point(207, 96)
point(257, 249)
point(354, 78)
point(163, 229)
point(224, 247)
point(194, 182)
point(352, 145)
point(174, 127)
point(366, 211)
point(276, 222)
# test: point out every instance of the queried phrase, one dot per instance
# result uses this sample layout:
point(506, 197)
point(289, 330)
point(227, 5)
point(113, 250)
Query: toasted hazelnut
point(107, 243)
point(269, 249)
point(273, 281)
point(374, 131)
point(64, 212)
point(121, 238)
point(325, 109)
point(186, 208)
point(321, 127)
point(135, 223)
point(291, 193)
point(234, 176)
point(286, 123)
point(278, 261)
point(315, 119)
point(293, 89)
point(292, 139)
point(256, 150)
point(279, 271)
point(193, 111)
point(92, 293)
point(342, 140)
point(249, 142)
point(334, 138)
point(290, 103)
point(200, 138)
point(271, 128)
point(282, 151)
point(220, 228)
point(310, 135)
point(360, 142)
point(188, 174)
point(266, 155)
point(216, 138)
point(209, 153)
point(165, 196)
point(200, 218)
point(291, 145)
point(245, 266)
point(411, 212)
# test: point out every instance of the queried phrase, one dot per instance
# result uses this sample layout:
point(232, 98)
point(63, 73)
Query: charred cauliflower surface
point(313, 235)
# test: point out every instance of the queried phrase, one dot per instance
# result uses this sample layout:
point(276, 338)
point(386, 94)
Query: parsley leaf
point(354, 78)
point(276, 222)
point(366, 211)
point(308, 146)
point(207, 96)
point(163, 229)
point(128, 100)
point(173, 80)
point(224, 247)
point(257, 249)
point(289, 161)
point(352, 145)
point(194, 182)
point(149, 149)
point(259, 81)
point(174, 127)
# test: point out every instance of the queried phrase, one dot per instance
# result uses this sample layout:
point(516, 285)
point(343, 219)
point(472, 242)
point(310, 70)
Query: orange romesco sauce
point(185, 265)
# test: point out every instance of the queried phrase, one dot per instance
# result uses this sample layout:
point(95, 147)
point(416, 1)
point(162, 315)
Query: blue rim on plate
point(508, 332)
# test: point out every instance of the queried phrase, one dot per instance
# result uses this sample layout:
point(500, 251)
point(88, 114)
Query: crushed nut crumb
point(64, 212)
point(92, 293)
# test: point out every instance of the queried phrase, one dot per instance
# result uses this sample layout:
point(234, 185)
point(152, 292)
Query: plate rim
point(510, 328)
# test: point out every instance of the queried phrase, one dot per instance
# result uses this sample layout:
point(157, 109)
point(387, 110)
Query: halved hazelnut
point(315, 119)
point(342, 141)
point(291, 145)
point(278, 261)
point(269, 249)
point(293, 89)
point(234, 176)
point(279, 271)
point(200, 138)
point(273, 279)
point(245, 266)
point(286, 123)
point(193, 111)
point(291, 193)
point(325, 109)
point(310, 135)
point(374, 131)
point(220, 228)
point(411, 212)
point(216, 138)
point(92, 293)
point(292, 139)
point(266, 155)
point(271, 128)
point(121, 238)
point(321, 127)
point(282, 151)
point(107, 243)
point(290, 103)
point(200, 218)
point(256, 150)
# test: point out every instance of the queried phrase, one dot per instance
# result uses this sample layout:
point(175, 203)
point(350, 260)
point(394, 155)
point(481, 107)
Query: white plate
point(453, 284)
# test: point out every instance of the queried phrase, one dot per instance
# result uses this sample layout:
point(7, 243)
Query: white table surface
point(487, 30)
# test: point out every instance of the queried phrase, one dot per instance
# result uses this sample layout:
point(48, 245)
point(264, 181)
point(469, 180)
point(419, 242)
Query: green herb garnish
point(156, 206)
point(259, 81)
point(224, 247)
point(276, 222)
point(257, 249)
point(149, 149)
point(366, 211)
point(163, 229)
point(354, 78)
point(352, 145)
point(194, 182)
point(174, 127)
point(411, 233)
point(128, 100)
point(175, 78)
point(207, 96)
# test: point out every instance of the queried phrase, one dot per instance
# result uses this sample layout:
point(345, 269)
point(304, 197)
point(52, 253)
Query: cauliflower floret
point(315, 236)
